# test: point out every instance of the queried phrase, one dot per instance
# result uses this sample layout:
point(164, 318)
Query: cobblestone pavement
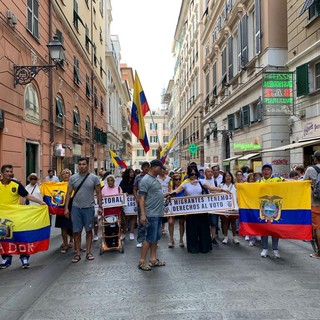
point(232, 282)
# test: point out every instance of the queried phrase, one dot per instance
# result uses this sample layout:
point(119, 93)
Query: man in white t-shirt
point(216, 174)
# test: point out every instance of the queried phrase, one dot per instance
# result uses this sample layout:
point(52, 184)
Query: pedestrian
point(126, 185)
point(300, 170)
point(164, 180)
point(176, 182)
point(51, 176)
point(84, 184)
point(213, 218)
point(197, 225)
point(217, 176)
point(145, 166)
point(312, 174)
point(151, 201)
point(267, 177)
point(33, 188)
point(239, 177)
point(10, 192)
point(65, 223)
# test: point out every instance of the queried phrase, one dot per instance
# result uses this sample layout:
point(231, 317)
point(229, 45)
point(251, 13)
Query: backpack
point(316, 187)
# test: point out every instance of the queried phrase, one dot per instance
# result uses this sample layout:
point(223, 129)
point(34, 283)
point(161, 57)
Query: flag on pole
point(116, 160)
point(274, 209)
point(139, 109)
point(165, 151)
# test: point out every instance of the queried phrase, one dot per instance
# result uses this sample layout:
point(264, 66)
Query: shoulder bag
point(71, 198)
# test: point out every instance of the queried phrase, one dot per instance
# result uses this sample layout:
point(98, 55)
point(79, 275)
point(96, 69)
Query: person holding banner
point(197, 225)
point(267, 177)
point(10, 192)
point(176, 182)
point(126, 185)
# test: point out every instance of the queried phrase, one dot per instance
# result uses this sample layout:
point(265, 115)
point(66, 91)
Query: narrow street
point(232, 282)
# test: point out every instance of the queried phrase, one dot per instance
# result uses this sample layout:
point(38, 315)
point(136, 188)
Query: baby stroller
point(111, 231)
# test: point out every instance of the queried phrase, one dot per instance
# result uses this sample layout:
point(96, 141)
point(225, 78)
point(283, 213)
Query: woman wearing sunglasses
point(197, 225)
point(176, 182)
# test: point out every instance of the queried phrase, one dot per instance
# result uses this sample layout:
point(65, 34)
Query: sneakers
point(276, 254)
point(251, 244)
point(225, 240)
point(5, 263)
point(235, 240)
point(215, 242)
point(123, 236)
point(131, 236)
point(247, 238)
point(139, 245)
point(264, 253)
point(25, 263)
point(96, 237)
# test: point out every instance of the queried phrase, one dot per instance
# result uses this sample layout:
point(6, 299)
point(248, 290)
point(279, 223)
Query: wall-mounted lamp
point(214, 128)
point(25, 74)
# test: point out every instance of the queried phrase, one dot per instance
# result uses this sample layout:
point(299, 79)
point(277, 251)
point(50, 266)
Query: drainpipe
point(50, 91)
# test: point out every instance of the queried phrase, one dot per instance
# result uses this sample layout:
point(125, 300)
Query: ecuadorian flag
point(24, 229)
point(282, 209)
point(54, 195)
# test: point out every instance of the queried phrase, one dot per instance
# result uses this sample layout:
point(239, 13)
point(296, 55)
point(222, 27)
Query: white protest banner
point(198, 204)
point(131, 208)
point(118, 200)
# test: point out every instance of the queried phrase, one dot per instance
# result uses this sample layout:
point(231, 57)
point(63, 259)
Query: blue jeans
point(141, 229)
point(264, 241)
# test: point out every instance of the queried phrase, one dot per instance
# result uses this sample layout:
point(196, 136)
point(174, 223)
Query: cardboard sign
point(131, 209)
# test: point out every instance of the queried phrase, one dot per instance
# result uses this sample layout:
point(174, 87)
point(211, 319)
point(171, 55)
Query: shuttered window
point(302, 80)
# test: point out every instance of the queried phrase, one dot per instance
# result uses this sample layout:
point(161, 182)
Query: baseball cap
point(317, 154)
point(267, 165)
point(157, 163)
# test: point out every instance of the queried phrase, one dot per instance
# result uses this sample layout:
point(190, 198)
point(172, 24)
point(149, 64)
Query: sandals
point(89, 257)
point(181, 244)
point(64, 249)
point(170, 244)
point(76, 258)
point(144, 266)
point(157, 263)
point(315, 255)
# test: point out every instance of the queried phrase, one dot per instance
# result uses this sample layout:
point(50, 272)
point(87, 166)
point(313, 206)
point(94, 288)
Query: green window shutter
point(302, 80)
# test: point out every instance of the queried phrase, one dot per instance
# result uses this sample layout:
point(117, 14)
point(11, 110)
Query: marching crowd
point(150, 186)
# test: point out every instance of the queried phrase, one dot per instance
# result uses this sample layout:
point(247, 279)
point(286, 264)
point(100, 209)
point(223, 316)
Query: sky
point(146, 31)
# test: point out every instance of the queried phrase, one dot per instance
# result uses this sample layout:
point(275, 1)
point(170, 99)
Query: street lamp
point(214, 128)
point(25, 74)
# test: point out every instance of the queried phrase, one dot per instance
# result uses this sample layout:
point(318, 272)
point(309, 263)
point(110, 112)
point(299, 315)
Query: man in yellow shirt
point(267, 177)
point(10, 192)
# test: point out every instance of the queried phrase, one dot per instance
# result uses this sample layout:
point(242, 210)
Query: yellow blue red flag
point(274, 209)
point(116, 160)
point(139, 109)
point(24, 229)
point(165, 151)
point(54, 195)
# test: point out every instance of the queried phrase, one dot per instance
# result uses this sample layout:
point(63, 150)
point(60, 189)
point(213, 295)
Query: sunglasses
point(193, 174)
point(177, 179)
point(33, 178)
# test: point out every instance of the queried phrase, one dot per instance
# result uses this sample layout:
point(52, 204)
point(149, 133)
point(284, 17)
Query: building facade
point(57, 117)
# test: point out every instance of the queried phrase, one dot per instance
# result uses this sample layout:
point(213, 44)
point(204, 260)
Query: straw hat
point(33, 174)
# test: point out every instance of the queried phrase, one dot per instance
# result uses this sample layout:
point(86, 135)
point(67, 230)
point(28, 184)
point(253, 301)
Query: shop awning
point(230, 159)
point(292, 146)
point(307, 4)
point(249, 156)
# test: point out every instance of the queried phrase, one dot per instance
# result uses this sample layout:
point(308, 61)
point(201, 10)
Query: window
point(165, 126)
point(87, 37)
point(101, 105)
point(154, 153)
point(224, 62)
point(231, 125)
point(302, 80)
point(245, 115)
point(88, 87)
point(101, 7)
point(140, 153)
point(244, 38)
point(76, 71)
point(95, 97)
point(88, 127)
point(317, 76)
point(230, 58)
point(33, 17)
point(214, 79)
point(76, 17)
point(165, 139)
point(207, 83)
point(153, 139)
point(76, 121)
point(314, 10)
point(59, 111)
point(153, 126)
point(31, 102)
point(257, 8)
